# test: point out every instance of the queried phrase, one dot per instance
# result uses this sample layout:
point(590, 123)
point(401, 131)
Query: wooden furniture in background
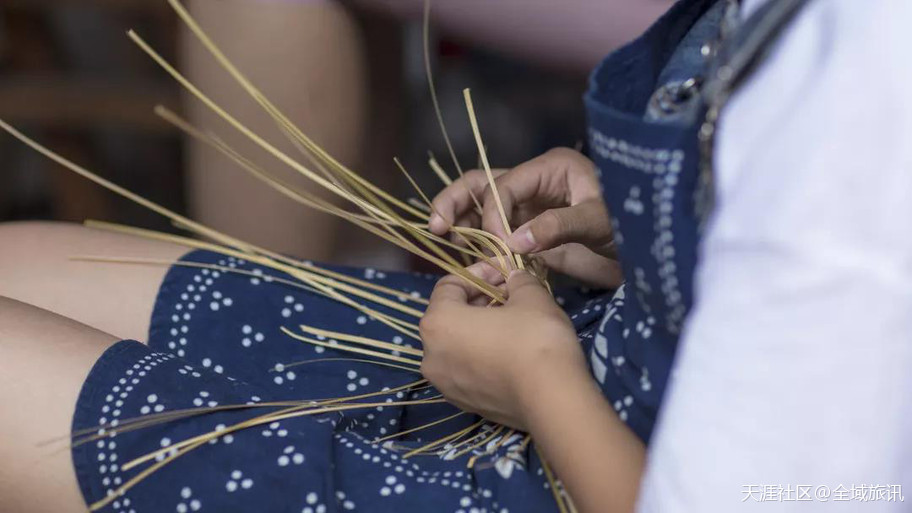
point(69, 76)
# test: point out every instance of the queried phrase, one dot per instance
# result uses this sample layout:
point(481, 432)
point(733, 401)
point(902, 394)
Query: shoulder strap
point(738, 58)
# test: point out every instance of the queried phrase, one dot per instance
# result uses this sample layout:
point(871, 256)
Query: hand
point(556, 202)
point(459, 204)
point(495, 361)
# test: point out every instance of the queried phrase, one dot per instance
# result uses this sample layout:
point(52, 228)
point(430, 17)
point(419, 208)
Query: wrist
point(555, 384)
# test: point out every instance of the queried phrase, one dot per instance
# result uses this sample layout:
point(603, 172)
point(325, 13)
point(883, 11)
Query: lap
point(230, 319)
point(231, 340)
point(216, 342)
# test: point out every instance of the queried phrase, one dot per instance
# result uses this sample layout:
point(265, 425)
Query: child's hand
point(497, 361)
point(556, 202)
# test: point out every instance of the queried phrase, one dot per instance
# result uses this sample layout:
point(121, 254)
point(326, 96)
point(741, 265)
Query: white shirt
point(795, 368)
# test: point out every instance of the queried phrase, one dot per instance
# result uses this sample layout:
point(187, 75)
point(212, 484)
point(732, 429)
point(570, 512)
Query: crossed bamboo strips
point(402, 223)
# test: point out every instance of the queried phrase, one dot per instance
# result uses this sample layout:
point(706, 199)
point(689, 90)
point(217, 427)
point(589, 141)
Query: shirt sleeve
point(793, 381)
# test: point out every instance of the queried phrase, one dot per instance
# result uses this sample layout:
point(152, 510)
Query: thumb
point(586, 223)
point(522, 287)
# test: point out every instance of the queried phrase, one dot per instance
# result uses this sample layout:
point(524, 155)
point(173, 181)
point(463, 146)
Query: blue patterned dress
point(216, 340)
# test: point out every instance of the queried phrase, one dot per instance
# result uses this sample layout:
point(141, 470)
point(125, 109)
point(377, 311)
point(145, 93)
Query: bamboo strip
point(351, 349)
point(443, 440)
point(379, 344)
point(299, 273)
point(419, 428)
point(426, 30)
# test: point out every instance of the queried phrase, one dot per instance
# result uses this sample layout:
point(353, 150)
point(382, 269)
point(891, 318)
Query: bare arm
point(572, 34)
point(534, 379)
point(597, 457)
point(599, 460)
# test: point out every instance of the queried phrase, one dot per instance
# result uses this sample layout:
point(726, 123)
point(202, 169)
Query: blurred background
point(352, 76)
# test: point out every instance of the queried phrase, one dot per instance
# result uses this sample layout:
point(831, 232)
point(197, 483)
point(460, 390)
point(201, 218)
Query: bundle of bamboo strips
point(370, 208)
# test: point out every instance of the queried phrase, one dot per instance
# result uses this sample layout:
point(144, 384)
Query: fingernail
point(522, 240)
point(435, 223)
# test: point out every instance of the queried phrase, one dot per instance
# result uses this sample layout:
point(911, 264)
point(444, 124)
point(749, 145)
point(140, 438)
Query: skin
point(58, 315)
point(555, 205)
point(44, 358)
point(336, 81)
point(521, 364)
point(571, 35)
point(56, 318)
point(309, 59)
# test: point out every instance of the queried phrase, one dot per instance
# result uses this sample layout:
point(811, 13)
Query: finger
point(470, 219)
point(456, 199)
point(523, 288)
point(487, 272)
point(580, 262)
point(558, 177)
point(522, 183)
point(586, 223)
point(491, 276)
point(451, 289)
point(485, 301)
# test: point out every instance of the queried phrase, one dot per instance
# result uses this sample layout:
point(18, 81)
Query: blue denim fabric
point(673, 101)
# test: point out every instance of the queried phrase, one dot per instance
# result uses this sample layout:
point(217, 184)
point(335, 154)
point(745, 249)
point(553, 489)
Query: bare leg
point(44, 359)
point(35, 268)
point(308, 58)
